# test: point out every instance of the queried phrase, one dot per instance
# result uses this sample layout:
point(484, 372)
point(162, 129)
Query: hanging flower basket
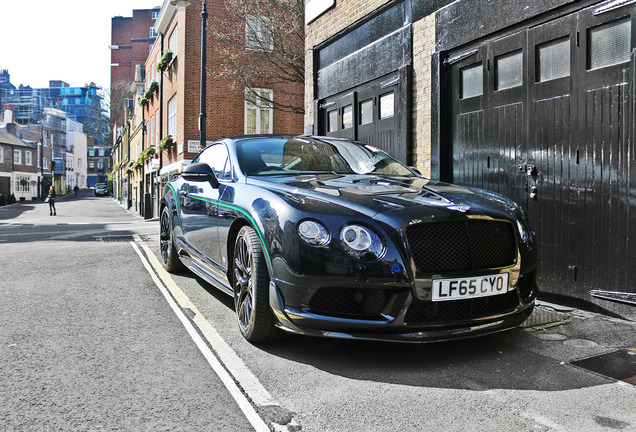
point(165, 60)
point(143, 101)
point(166, 142)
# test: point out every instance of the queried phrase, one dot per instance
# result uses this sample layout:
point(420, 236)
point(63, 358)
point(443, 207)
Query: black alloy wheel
point(169, 258)
point(251, 286)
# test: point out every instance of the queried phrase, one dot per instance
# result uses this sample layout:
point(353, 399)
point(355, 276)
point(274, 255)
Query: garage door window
point(472, 81)
point(553, 59)
point(347, 117)
point(609, 44)
point(366, 112)
point(509, 70)
point(332, 121)
point(387, 105)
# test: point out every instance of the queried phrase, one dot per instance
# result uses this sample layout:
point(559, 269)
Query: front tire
point(169, 258)
point(251, 288)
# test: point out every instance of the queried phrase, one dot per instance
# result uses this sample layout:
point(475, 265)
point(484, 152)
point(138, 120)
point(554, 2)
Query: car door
point(200, 215)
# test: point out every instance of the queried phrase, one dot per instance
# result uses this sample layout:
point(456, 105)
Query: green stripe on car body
point(246, 214)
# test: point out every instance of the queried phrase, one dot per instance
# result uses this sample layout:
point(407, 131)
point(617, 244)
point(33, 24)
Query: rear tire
point(168, 254)
point(251, 288)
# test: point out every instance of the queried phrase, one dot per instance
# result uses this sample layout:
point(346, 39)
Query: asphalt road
point(89, 341)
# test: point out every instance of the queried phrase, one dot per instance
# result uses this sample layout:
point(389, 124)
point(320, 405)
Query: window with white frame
point(100, 164)
point(1, 154)
point(23, 184)
point(91, 164)
point(17, 157)
point(173, 41)
point(101, 152)
point(28, 157)
point(259, 114)
point(153, 32)
point(45, 163)
point(172, 117)
point(91, 152)
point(157, 130)
point(258, 34)
point(155, 15)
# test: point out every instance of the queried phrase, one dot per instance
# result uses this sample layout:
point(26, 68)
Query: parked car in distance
point(101, 189)
point(326, 237)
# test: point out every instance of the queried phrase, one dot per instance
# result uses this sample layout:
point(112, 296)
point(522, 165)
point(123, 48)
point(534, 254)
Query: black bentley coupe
point(326, 237)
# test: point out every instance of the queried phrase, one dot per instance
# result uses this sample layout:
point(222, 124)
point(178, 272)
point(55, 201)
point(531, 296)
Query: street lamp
point(181, 5)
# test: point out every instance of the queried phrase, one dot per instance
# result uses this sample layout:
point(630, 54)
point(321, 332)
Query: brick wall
point(423, 49)
point(344, 14)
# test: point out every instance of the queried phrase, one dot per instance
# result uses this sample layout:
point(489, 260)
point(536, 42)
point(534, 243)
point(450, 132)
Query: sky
point(65, 40)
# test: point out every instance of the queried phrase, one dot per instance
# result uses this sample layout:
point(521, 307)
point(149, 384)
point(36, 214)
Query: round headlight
point(313, 233)
point(361, 242)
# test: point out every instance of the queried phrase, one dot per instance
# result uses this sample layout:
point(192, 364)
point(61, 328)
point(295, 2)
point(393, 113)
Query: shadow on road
point(479, 364)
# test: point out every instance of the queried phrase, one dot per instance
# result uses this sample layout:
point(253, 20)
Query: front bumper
point(403, 318)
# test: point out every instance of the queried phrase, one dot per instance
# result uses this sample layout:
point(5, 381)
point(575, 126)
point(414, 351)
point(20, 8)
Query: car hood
point(406, 197)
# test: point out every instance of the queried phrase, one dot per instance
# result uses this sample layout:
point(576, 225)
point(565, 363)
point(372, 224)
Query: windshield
point(276, 156)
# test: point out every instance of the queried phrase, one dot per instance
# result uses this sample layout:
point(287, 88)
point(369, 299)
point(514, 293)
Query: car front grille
point(472, 244)
point(420, 312)
point(348, 302)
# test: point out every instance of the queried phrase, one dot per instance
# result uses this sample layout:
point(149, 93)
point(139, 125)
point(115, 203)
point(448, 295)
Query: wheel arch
point(231, 241)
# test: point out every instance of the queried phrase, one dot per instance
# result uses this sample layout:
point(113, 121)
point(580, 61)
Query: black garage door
point(545, 117)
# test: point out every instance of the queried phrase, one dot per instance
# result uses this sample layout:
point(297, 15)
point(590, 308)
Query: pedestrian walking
point(76, 190)
point(51, 200)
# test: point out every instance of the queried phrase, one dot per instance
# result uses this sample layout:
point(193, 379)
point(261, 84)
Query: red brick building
point(171, 98)
point(175, 108)
point(131, 38)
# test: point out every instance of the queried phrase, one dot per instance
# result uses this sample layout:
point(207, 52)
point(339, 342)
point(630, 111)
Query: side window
point(218, 159)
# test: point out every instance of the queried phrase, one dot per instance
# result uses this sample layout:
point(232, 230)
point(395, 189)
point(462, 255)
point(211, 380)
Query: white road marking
point(252, 386)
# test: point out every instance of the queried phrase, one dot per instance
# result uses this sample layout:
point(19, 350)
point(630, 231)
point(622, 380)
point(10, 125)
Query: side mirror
point(199, 172)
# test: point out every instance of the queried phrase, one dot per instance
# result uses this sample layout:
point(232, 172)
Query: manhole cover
point(620, 365)
point(551, 336)
point(580, 343)
point(541, 317)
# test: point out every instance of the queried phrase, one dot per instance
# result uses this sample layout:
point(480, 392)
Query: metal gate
point(545, 117)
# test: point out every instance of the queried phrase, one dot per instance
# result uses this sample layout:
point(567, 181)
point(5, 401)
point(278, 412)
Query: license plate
point(462, 288)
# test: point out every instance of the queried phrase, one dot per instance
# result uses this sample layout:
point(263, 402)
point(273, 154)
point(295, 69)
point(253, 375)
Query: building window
point(91, 164)
point(387, 105)
point(157, 130)
point(366, 112)
point(258, 34)
point(100, 165)
point(553, 59)
point(153, 32)
point(347, 117)
point(609, 44)
point(472, 81)
point(155, 15)
point(28, 157)
point(22, 184)
point(259, 113)
point(509, 70)
point(101, 152)
point(173, 41)
point(332, 121)
point(172, 117)
point(1, 155)
point(91, 152)
point(17, 157)
point(79, 163)
point(45, 163)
